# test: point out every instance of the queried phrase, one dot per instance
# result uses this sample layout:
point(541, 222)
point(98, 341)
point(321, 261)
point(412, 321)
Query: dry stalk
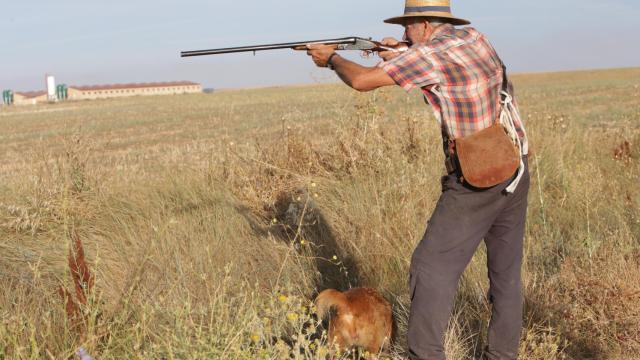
point(82, 277)
point(83, 281)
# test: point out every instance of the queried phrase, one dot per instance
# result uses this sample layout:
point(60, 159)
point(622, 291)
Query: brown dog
point(362, 317)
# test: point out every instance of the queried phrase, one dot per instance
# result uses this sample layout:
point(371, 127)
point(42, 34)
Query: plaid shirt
point(460, 75)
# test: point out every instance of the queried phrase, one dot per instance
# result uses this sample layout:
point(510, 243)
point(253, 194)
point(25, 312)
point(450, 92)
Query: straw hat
point(428, 8)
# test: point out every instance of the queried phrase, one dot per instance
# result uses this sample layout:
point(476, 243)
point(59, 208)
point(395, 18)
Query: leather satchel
point(489, 156)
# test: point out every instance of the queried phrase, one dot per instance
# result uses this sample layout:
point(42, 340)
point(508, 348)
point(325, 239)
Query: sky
point(87, 42)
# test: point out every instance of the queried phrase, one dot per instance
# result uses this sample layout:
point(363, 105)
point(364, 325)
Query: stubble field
point(210, 221)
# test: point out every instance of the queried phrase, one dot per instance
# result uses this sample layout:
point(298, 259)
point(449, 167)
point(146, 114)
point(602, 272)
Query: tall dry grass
point(210, 221)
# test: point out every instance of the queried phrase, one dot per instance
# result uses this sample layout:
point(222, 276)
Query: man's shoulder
point(466, 33)
point(451, 38)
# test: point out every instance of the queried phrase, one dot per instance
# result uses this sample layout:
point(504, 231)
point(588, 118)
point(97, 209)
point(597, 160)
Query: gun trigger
point(254, 53)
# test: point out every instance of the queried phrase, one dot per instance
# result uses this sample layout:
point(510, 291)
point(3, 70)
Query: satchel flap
point(488, 157)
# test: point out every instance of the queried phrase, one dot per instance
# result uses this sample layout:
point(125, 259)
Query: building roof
point(31, 94)
point(132, 86)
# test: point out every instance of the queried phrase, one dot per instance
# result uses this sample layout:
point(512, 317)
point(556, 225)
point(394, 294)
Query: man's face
point(417, 30)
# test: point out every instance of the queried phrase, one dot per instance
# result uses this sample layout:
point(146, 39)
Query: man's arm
point(358, 77)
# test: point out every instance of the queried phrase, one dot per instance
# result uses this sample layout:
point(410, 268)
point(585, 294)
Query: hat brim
point(399, 20)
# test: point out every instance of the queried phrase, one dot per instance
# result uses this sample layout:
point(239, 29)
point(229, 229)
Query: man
point(461, 77)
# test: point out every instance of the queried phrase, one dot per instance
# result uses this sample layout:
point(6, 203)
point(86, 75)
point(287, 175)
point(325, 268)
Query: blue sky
point(86, 42)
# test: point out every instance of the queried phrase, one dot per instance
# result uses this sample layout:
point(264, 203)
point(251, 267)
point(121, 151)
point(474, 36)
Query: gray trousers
point(462, 218)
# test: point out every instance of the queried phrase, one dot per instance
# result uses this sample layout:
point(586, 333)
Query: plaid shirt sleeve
point(412, 69)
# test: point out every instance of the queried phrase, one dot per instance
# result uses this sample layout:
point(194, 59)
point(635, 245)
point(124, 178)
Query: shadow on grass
point(296, 221)
point(300, 224)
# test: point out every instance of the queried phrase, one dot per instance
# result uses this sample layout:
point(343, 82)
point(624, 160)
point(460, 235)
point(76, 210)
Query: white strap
point(506, 119)
point(512, 187)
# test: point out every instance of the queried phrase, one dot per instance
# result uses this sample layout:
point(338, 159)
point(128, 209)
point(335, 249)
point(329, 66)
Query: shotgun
point(347, 43)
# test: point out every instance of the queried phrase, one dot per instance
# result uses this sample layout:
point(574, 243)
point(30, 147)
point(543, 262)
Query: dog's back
point(362, 318)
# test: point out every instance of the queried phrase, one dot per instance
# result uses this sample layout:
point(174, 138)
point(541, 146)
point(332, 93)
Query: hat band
point(417, 9)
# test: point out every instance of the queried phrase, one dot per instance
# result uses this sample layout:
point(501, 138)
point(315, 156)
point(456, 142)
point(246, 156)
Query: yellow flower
point(292, 316)
point(283, 298)
point(255, 338)
point(334, 257)
point(312, 346)
point(302, 242)
point(274, 221)
point(313, 184)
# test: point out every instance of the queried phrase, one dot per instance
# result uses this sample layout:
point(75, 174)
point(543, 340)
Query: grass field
point(210, 221)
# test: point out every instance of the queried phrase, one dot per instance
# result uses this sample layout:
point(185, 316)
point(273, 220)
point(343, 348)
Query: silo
point(61, 92)
point(7, 97)
point(51, 87)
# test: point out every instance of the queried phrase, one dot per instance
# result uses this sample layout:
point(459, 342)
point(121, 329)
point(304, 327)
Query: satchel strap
point(507, 119)
point(505, 82)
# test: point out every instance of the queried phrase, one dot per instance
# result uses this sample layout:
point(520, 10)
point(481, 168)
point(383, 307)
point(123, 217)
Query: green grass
point(211, 220)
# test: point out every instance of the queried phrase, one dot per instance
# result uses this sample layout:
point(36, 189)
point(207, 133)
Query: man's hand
point(320, 53)
point(390, 42)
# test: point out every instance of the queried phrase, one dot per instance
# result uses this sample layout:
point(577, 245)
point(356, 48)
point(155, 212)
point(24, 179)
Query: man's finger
point(388, 55)
point(389, 41)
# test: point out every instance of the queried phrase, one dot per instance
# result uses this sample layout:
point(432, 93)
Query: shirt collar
point(441, 29)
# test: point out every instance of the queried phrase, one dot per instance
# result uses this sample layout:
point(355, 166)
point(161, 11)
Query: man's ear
point(428, 29)
point(428, 26)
